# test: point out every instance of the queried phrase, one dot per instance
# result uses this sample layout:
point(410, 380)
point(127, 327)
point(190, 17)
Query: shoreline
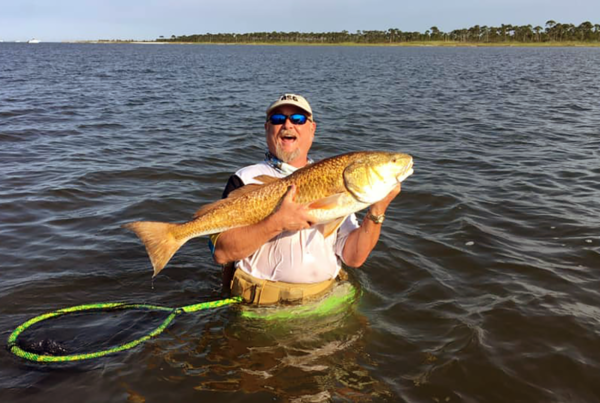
point(353, 44)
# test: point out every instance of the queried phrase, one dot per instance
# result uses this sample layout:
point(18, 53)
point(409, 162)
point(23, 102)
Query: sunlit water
point(483, 288)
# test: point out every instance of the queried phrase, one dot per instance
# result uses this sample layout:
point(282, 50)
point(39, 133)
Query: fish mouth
point(408, 171)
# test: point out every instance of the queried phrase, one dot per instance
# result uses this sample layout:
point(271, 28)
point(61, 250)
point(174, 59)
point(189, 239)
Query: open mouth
point(288, 138)
point(406, 173)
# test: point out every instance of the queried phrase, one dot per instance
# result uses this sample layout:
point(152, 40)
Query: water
point(483, 287)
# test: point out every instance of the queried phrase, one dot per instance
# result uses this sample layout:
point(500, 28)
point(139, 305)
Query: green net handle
point(16, 350)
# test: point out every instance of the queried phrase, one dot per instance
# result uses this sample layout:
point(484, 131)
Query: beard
point(286, 156)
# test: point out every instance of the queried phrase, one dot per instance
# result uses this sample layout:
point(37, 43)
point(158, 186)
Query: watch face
point(377, 219)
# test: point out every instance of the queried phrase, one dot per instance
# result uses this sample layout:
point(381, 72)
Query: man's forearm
point(238, 243)
point(362, 240)
point(360, 243)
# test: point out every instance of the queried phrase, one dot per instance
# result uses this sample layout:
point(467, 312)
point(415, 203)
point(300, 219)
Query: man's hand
point(291, 216)
point(381, 206)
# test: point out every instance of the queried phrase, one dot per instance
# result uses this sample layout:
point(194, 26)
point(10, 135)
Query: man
point(285, 258)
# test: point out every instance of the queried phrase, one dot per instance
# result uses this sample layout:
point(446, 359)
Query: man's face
point(289, 142)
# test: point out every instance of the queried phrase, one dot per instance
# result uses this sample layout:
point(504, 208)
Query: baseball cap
point(291, 99)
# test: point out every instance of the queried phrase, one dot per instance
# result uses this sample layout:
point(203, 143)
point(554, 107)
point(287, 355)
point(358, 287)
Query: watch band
point(377, 219)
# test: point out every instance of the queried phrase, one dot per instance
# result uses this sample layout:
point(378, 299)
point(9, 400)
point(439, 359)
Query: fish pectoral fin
point(332, 226)
point(327, 203)
point(265, 179)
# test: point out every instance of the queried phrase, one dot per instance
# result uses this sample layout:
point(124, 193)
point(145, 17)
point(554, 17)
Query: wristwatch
point(377, 219)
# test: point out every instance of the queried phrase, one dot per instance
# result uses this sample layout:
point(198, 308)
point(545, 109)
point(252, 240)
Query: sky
point(69, 20)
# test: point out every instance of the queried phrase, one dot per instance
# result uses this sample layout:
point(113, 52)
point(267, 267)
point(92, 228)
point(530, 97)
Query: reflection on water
point(310, 358)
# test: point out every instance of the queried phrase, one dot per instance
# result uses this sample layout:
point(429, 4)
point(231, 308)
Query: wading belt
point(266, 292)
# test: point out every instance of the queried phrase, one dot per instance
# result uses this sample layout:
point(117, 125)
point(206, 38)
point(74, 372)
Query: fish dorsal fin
point(327, 203)
point(356, 179)
point(243, 190)
point(205, 209)
point(332, 226)
point(265, 179)
point(232, 195)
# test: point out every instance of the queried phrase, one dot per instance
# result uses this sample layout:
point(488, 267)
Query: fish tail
point(159, 240)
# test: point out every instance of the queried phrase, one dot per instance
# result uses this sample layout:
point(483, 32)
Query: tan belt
point(266, 292)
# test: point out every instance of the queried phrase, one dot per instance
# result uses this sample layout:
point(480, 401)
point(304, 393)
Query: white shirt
point(295, 256)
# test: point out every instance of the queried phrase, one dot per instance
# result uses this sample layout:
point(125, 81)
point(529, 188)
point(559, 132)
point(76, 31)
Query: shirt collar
point(280, 166)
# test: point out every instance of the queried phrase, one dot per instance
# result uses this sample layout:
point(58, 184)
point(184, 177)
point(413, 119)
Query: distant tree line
point(552, 32)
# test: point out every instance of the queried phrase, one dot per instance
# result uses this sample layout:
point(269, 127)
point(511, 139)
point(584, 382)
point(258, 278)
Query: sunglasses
point(296, 118)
